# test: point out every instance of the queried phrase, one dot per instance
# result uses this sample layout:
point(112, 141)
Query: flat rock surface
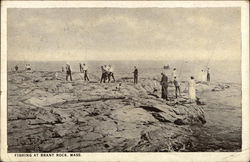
point(48, 114)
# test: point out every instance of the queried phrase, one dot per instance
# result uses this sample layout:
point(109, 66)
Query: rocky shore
point(48, 114)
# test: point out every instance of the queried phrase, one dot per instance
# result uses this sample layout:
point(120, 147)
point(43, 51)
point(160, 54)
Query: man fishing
point(164, 86)
point(135, 75)
point(177, 87)
point(16, 68)
point(68, 72)
point(81, 69)
point(208, 75)
point(85, 71)
point(103, 76)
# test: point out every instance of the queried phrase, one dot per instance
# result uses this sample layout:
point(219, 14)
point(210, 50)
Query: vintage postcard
point(124, 81)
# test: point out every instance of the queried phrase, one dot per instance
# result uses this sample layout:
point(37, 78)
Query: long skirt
point(192, 93)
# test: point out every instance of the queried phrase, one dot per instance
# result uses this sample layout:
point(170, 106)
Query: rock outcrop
point(48, 114)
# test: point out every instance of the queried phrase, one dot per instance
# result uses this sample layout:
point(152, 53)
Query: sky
point(71, 34)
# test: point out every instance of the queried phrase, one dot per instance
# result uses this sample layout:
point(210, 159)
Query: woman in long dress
point(191, 90)
point(204, 76)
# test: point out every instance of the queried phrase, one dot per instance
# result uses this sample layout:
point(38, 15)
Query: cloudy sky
point(124, 34)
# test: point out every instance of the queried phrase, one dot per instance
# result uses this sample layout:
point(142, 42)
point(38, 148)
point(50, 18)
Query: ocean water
point(221, 71)
point(223, 129)
point(222, 132)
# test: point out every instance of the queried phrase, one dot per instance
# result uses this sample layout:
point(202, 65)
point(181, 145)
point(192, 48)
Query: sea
point(223, 109)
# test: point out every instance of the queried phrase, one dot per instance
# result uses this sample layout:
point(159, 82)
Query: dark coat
point(135, 72)
point(164, 89)
point(164, 80)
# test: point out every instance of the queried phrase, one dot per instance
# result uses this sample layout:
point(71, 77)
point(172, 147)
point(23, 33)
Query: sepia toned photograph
point(121, 79)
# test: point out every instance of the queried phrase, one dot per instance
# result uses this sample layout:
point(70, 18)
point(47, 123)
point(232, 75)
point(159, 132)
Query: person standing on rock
point(103, 77)
point(200, 78)
point(204, 76)
point(174, 74)
point(110, 73)
point(62, 69)
point(164, 86)
point(106, 72)
point(208, 75)
point(16, 68)
point(191, 89)
point(177, 87)
point(28, 67)
point(85, 71)
point(81, 69)
point(135, 75)
point(68, 72)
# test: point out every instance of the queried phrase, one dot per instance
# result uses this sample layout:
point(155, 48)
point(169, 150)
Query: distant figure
point(16, 68)
point(103, 77)
point(177, 87)
point(166, 66)
point(62, 69)
point(201, 76)
point(81, 69)
point(174, 74)
point(68, 72)
point(110, 73)
point(135, 75)
point(204, 76)
point(85, 71)
point(191, 89)
point(208, 75)
point(164, 86)
point(28, 67)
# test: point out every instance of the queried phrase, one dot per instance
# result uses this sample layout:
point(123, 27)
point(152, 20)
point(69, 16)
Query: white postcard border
point(217, 156)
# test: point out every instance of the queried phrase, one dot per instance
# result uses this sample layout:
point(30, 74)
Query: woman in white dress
point(191, 89)
point(204, 76)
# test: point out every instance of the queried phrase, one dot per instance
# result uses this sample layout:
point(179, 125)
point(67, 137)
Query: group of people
point(107, 73)
point(27, 67)
point(165, 81)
